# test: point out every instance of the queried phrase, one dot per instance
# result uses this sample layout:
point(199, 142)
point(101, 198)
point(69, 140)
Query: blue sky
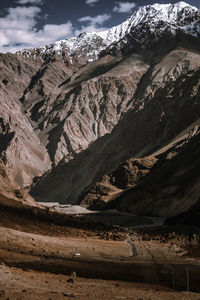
point(30, 23)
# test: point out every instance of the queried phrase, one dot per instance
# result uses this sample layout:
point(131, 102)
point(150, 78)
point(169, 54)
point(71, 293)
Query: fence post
point(173, 280)
point(188, 280)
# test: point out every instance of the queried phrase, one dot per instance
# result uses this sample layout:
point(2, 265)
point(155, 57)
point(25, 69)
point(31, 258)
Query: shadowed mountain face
point(164, 184)
point(116, 128)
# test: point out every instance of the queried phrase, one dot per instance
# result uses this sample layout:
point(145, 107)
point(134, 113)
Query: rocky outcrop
point(113, 185)
point(10, 194)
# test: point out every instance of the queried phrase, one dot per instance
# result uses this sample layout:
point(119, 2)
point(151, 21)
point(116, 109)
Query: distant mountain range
point(152, 19)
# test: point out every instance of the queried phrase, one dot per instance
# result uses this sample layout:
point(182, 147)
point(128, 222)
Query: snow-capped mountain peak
point(176, 7)
point(180, 16)
point(169, 13)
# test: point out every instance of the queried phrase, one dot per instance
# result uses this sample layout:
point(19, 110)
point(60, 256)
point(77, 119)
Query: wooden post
point(188, 280)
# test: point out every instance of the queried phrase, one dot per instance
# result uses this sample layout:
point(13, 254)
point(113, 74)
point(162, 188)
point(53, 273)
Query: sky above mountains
point(31, 23)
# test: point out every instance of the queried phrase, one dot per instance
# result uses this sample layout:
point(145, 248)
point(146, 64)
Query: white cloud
point(33, 2)
point(89, 28)
point(98, 20)
point(18, 30)
point(93, 24)
point(19, 18)
point(124, 7)
point(91, 2)
point(52, 32)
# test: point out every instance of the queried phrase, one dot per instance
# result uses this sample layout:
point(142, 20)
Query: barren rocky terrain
point(99, 163)
point(25, 285)
point(47, 260)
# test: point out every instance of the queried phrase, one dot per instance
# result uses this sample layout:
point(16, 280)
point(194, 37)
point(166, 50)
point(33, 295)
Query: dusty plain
point(39, 260)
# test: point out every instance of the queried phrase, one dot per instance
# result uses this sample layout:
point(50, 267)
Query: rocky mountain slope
point(86, 117)
point(20, 148)
point(10, 194)
point(150, 125)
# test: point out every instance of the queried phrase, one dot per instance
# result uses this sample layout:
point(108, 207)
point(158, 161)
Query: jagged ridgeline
point(107, 119)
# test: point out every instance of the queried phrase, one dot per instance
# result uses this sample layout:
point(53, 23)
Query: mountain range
point(108, 119)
